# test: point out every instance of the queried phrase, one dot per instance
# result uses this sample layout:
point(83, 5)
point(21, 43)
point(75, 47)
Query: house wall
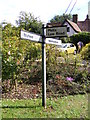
point(71, 31)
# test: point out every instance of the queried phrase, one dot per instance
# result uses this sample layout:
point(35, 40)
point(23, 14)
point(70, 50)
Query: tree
point(15, 51)
point(10, 51)
point(61, 18)
point(28, 22)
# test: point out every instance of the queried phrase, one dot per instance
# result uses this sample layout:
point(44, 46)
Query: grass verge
point(64, 107)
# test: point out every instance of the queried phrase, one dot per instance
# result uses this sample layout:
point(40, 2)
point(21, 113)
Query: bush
point(70, 68)
point(65, 39)
point(83, 36)
point(85, 53)
point(15, 53)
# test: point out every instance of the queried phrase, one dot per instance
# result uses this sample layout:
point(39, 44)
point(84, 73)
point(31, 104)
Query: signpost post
point(43, 69)
point(50, 32)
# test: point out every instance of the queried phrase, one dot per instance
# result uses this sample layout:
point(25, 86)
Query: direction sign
point(50, 32)
point(37, 38)
point(56, 31)
point(30, 36)
point(53, 41)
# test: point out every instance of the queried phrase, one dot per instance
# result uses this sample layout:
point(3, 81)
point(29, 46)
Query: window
point(72, 45)
point(68, 29)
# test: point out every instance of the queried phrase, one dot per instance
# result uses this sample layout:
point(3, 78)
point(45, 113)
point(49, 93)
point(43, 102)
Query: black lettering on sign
point(59, 33)
point(28, 36)
point(50, 33)
point(53, 41)
point(52, 30)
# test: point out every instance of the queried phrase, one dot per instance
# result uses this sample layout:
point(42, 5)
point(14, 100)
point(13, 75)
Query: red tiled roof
point(84, 25)
point(74, 26)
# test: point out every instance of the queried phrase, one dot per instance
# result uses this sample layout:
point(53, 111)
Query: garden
point(67, 75)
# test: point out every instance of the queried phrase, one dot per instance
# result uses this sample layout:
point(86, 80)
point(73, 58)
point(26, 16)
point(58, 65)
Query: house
point(75, 26)
point(72, 26)
point(84, 25)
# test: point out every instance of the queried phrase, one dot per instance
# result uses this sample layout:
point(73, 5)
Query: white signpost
point(53, 41)
point(37, 38)
point(50, 32)
point(30, 36)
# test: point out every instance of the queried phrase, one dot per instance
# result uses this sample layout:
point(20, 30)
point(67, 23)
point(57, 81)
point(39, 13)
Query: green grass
point(65, 107)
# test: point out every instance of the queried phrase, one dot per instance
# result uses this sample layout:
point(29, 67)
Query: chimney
point(87, 17)
point(75, 18)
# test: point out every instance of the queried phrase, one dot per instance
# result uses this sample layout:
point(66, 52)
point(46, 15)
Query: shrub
point(83, 36)
point(65, 39)
point(16, 52)
point(71, 67)
point(85, 53)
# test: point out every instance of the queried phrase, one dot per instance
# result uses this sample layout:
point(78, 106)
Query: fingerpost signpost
point(45, 39)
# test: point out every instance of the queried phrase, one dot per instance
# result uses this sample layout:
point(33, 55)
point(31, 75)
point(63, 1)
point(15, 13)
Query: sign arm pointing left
point(30, 36)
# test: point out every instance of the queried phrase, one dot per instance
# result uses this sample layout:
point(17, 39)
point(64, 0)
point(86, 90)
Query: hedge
point(85, 53)
point(83, 36)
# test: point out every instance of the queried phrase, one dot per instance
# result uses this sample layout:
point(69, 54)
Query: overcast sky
point(44, 9)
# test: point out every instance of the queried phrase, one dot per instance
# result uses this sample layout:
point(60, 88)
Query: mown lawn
point(65, 107)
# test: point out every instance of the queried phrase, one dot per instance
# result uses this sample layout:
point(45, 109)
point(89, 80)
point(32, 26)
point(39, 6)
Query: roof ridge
point(74, 25)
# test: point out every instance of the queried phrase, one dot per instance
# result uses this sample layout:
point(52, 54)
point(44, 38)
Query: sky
point(45, 10)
